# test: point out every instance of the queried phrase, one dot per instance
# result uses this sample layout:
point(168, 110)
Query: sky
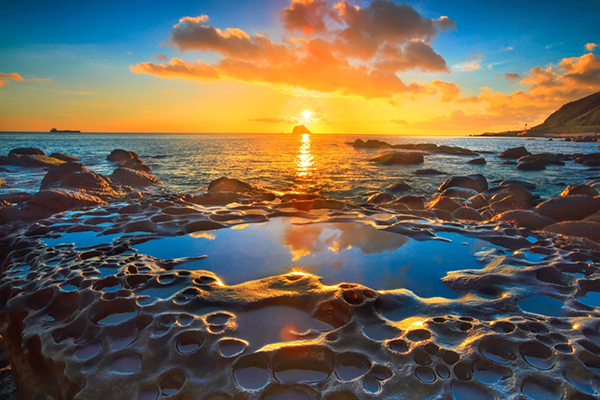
point(429, 67)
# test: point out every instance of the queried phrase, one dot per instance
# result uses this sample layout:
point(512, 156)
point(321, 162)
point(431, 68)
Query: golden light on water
point(305, 166)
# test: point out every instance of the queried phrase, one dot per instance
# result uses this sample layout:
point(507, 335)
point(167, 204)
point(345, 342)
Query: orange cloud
point(13, 76)
point(278, 120)
point(590, 46)
point(386, 38)
point(548, 89)
point(470, 67)
point(450, 91)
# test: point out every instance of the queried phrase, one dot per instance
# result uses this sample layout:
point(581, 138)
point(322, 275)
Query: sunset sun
point(306, 114)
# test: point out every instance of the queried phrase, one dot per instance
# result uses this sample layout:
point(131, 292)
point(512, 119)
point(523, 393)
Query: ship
point(54, 130)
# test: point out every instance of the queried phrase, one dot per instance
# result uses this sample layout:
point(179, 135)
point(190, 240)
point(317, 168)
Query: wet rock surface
point(129, 325)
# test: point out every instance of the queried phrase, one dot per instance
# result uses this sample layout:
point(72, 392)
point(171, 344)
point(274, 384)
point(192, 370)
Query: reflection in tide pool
point(337, 252)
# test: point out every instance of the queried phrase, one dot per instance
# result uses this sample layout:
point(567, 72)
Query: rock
point(2, 182)
point(369, 144)
point(516, 152)
point(398, 158)
point(526, 185)
point(33, 161)
point(26, 151)
point(463, 193)
point(428, 171)
point(133, 178)
point(75, 176)
point(225, 184)
point(507, 203)
point(398, 187)
point(546, 158)
point(300, 129)
point(524, 219)
point(443, 203)
point(121, 155)
point(467, 214)
point(64, 157)
point(134, 163)
point(516, 191)
point(584, 229)
point(476, 182)
point(477, 161)
point(478, 201)
point(569, 208)
point(579, 189)
point(434, 148)
point(531, 166)
point(378, 198)
point(62, 200)
point(412, 202)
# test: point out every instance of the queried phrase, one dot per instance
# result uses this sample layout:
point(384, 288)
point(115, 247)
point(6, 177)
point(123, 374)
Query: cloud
point(547, 89)
point(160, 57)
point(12, 76)
point(307, 16)
point(450, 91)
point(470, 67)
point(508, 48)
point(359, 58)
point(590, 46)
point(512, 76)
point(34, 79)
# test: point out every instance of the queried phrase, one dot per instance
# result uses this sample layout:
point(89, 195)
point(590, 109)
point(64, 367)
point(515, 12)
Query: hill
point(579, 116)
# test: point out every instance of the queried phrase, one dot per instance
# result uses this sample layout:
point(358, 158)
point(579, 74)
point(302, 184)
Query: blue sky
point(88, 47)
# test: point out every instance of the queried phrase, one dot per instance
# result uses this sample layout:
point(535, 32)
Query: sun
point(306, 114)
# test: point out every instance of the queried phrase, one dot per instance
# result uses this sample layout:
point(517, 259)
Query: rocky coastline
point(78, 322)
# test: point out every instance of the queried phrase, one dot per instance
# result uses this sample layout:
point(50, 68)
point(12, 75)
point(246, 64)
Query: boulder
point(443, 203)
point(478, 201)
point(476, 182)
point(398, 187)
point(526, 185)
point(477, 161)
point(524, 219)
point(463, 193)
point(134, 163)
point(399, 158)
point(412, 202)
point(379, 198)
point(64, 157)
point(531, 166)
point(33, 161)
point(369, 144)
point(516, 191)
point(569, 208)
point(434, 148)
point(516, 152)
point(546, 158)
point(133, 178)
point(428, 171)
point(579, 189)
point(62, 200)
point(467, 214)
point(583, 229)
point(507, 203)
point(75, 176)
point(225, 184)
point(26, 151)
point(121, 155)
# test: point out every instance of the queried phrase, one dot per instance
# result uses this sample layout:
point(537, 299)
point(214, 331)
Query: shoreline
point(144, 322)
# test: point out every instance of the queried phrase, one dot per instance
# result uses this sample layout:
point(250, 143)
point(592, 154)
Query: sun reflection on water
point(305, 166)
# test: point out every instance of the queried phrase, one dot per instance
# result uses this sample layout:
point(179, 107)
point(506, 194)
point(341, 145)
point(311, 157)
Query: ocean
point(321, 164)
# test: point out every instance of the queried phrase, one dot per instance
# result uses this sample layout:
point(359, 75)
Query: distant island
point(300, 129)
point(53, 130)
point(577, 117)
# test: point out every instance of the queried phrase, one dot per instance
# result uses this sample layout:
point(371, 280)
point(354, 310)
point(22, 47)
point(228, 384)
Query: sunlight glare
point(306, 114)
